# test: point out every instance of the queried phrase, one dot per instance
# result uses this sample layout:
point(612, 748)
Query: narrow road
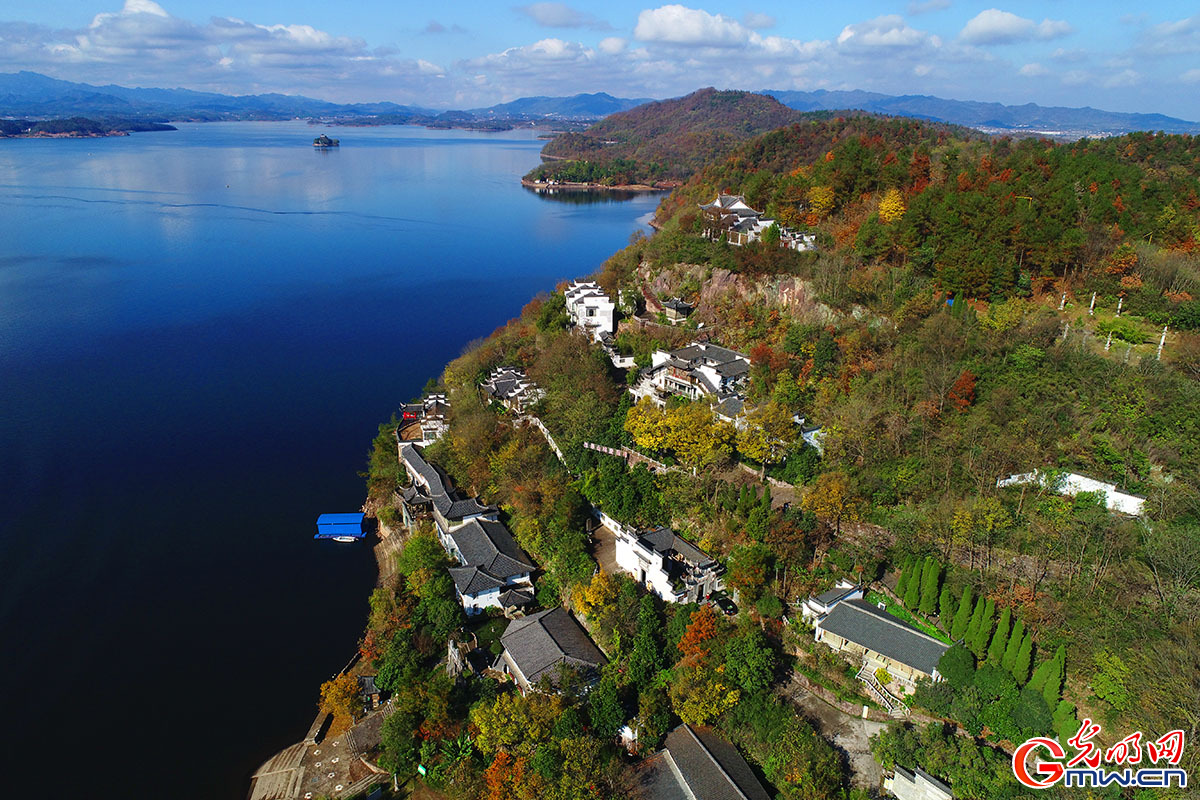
point(851, 735)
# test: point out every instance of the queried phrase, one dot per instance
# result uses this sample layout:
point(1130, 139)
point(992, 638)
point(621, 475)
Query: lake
point(199, 333)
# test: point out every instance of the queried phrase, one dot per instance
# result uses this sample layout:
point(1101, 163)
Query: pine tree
point(962, 618)
point(929, 586)
point(1009, 662)
point(983, 634)
point(1020, 668)
point(1052, 691)
point(905, 576)
point(946, 607)
point(912, 592)
point(995, 653)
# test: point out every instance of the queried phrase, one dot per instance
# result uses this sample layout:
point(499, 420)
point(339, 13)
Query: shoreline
point(572, 186)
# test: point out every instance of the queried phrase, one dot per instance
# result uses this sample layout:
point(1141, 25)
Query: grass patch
point(901, 613)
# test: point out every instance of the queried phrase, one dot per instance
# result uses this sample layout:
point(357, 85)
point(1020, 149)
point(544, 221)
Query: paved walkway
point(604, 549)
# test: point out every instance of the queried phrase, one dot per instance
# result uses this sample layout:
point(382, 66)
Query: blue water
point(199, 332)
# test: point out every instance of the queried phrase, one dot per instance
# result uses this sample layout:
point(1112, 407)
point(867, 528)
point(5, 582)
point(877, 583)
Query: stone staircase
point(896, 708)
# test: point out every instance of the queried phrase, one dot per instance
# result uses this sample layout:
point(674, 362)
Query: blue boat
point(341, 527)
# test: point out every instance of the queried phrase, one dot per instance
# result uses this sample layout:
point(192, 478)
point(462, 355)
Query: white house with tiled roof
point(590, 309)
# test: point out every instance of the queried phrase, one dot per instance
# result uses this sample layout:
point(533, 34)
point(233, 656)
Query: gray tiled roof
point(473, 580)
point(834, 594)
point(441, 490)
point(664, 540)
point(489, 546)
point(697, 763)
point(540, 642)
point(874, 629)
point(515, 597)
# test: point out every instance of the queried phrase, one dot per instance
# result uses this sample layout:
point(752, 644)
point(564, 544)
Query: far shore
point(592, 187)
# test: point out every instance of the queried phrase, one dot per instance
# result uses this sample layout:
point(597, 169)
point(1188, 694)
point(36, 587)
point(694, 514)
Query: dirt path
point(850, 735)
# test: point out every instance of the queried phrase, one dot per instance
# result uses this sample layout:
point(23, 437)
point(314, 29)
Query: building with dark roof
point(667, 564)
point(698, 371)
point(511, 388)
point(590, 309)
point(677, 310)
point(431, 494)
point(696, 764)
point(425, 422)
point(879, 640)
point(536, 646)
point(817, 606)
point(495, 571)
point(729, 216)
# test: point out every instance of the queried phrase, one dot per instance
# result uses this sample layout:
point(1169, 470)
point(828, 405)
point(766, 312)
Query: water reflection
point(586, 197)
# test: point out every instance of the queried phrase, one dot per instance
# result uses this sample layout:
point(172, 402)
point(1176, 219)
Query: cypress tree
point(983, 634)
point(1015, 638)
point(912, 592)
point(995, 653)
point(929, 586)
point(1038, 681)
point(962, 618)
point(1020, 668)
point(1052, 691)
point(905, 577)
point(973, 627)
point(946, 607)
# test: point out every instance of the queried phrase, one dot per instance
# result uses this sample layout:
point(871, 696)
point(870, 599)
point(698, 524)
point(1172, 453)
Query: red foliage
point(699, 633)
point(962, 393)
point(1119, 205)
point(964, 181)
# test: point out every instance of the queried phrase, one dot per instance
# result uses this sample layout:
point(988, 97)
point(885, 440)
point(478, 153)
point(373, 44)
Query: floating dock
point(341, 527)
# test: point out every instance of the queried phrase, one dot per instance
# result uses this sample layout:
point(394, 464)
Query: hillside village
point(717, 512)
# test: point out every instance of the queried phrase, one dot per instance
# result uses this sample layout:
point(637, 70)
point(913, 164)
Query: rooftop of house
point(516, 597)
point(919, 775)
point(697, 764)
point(875, 629)
point(540, 642)
point(675, 304)
point(490, 547)
point(698, 353)
point(666, 541)
point(836, 593)
point(506, 382)
point(441, 490)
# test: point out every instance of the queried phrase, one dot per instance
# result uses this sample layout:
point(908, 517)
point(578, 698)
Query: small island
point(77, 127)
point(324, 141)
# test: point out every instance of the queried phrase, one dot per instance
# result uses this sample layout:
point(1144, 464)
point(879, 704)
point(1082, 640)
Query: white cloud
point(1124, 78)
point(678, 24)
point(1033, 70)
point(1180, 36)
point(561, 15)
point(758, 21)
point(612, 45)
point(916, 7)
point(994, 26)
point(1191, 76)
point(886, 31)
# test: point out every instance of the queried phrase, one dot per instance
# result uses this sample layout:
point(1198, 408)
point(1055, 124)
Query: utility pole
point(1062, 303)
point(1108, 343)
point(1092, 307)
point(1066, 330)
point(1162, 340)
point(1120, 302)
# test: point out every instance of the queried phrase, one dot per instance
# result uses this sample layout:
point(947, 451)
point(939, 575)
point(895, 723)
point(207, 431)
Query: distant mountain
point(29, 94)
point(662, 141)
point(32, 94)
point(579, 106)
point(1028, 118)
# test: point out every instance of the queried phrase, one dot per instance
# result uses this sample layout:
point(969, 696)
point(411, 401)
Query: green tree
point(605, 709)
point(983, 633)
point(957, 666)
point(749, 659)
point(904, 578)
point(995, 652)
point(1109, 681)
point(930, 576)
point(946, 607)
point(1052, 689)
point(1013, 647)
point(646, 659)
point(962, 617)
point(912, 592)
point(1024, 658)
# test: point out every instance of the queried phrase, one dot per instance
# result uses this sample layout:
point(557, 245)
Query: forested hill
point(981, 217)
point(664, 141)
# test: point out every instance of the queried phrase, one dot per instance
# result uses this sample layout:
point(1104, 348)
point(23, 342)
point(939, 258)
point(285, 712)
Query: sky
point(1115, 56)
